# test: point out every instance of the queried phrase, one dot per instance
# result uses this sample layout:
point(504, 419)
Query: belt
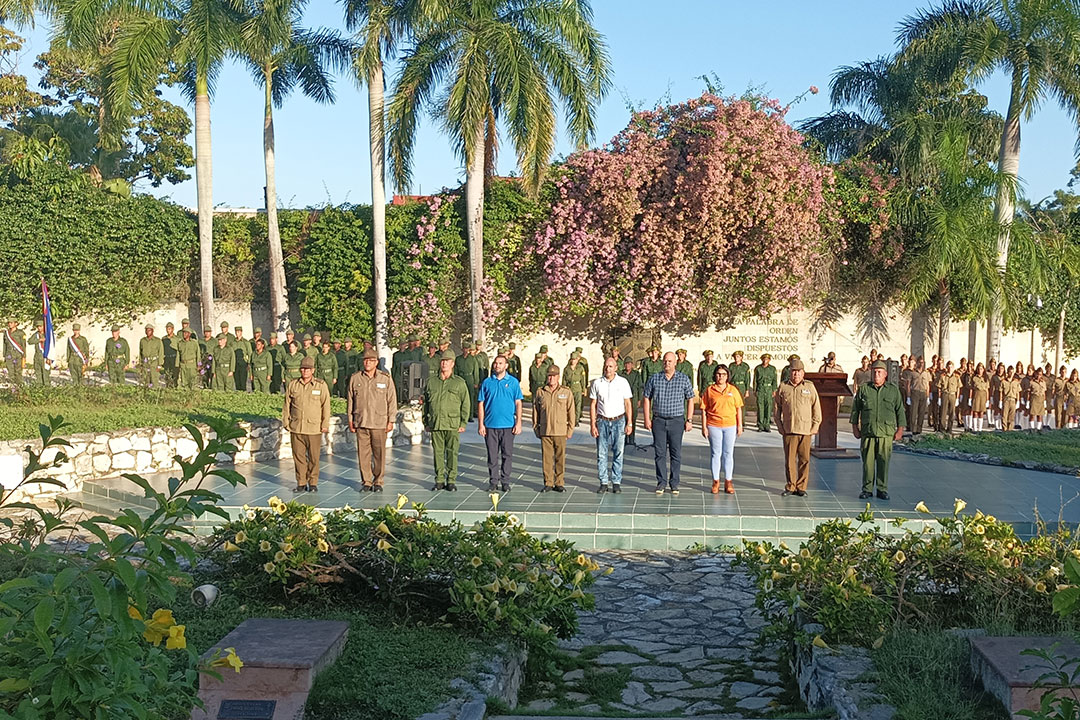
point(612, 419)
point(670, 417)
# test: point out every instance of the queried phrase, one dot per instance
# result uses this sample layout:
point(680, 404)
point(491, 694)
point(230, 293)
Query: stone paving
point(684, 627)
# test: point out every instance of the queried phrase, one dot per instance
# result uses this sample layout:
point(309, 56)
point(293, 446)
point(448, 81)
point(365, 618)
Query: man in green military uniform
point(739, 373)
point(537, 374)
point(241, 357)
point(185, 324)
point(151, 354)
point(225, 334)
point(78, 355)
point(42, 365)
point(326, 366)
point(877, 419)
point(188, 355)
point(168, 357)
point(651, 365)
point(262, 368)
point(583, 363)
point(432, 361)
point(513, 361)
point(574, 378)
point(277, 354)
point(466, 368)
point(684, 366)
point(482, 364)
point(207, 346)
point(308, 349)
point(117, 356)
point(14, 352)
point(222, 366)
point(764, 386)
point(343, 361)
point(397, 368)
point(636, 387)
point(705, 370)
point(548, 362)
point(447, 405)
point(415, 349)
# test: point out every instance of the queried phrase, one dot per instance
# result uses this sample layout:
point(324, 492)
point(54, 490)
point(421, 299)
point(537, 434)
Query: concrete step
point(616, 717)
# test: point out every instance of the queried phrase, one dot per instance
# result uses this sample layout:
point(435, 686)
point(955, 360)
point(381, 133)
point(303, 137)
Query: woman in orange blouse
point(721, 422)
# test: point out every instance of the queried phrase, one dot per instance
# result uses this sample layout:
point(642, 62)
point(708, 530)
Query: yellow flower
point(322, 545)
point(381, 527)
point(593, 565)
point(804, 554)
point(776, 575)
point(1029, 582)
point(610, 570)
point(899, 557)
point(498, 562)
point(795, 567)
point(879, 642)
point(534, 574)
point(153, 635)
point(958, 506)
point(761, 549)
point(279, 556)
point(494, 500)
point(478, 598)
point(991, 519)
point(264, 546)
point(544, 628)
point(513, 520)
point(347, 508)
point(979, 515)
point(784, 561)
point(383, 545)
point(577, 594)
point(476, 561)
point(230, 547)
point(1040, 587)
point(287, 547)
point(819, 643)
point(1062, 586)
point(240, 538)
point(581, 560)
point(176, 639)
point(402, 500)
point(274, 501)
point(578, 576)
point(978, 529)
point(269, 567)
point(492, 587)
point(784, 545)
point(921, 507)
point(512, 586)
point(133, 613)
point(316, 518)
point(232, 659)
point(163, 617)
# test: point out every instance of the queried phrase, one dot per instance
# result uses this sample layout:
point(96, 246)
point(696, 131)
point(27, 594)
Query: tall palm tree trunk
point(204, 184)
point(279, 291)
point(474, 221)
point(1004, 209)
point(944, 315)
point(1059, 349)
point(377, 139)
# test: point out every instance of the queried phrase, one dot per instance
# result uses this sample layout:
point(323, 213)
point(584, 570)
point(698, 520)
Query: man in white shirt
point(610, 407)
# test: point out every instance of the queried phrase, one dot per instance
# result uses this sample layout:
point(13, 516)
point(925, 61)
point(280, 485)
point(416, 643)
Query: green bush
point(1060, 447)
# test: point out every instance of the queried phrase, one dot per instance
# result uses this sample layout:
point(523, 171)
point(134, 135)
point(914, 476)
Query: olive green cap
point(681, 350)
point(307, 336)
point(169, 325)
point(350, 340)
point(543, 349)
point(793, 357)
point(185, 321)
point(796, 364)
point(413, 337)
point(579, 349)
point(225, 324)
point(317, 332)
point(737, 353)
point(575, 355)
point(186, 330)
point(369, 354)
point(478, 346)
point(258, 330)
point(115, 328)
point(537, 356)
point(708, 352)
point(76, 326)
point(502, 351)
point(237, 327)
point(553, 370)
point(148, 327)
point(273, 335)
point(308, 362)
point(512, 346)
point(766, 355)
point(448, 355)
point(651, 349)
point(879, 364)
point(290, 331)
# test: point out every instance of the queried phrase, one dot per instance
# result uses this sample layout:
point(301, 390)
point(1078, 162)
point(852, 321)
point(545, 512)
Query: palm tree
point(380, 25)
point(282, 55)
point(480, 62)
point(197, 36)
point(1037, 43)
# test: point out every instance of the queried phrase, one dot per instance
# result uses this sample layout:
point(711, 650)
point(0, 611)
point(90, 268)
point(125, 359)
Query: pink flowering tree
point(695, 215)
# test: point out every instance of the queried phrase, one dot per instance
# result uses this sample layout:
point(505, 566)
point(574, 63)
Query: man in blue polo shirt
point(668, 407)
point(498, 405)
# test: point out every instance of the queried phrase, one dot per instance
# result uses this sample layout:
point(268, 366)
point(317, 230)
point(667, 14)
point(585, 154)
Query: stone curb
point(499, 676)
point(984, 459)
point(829, 679)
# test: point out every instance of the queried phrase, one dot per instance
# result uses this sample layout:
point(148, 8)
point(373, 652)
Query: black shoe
point(559, 488)
point(616, 488)
point(378, 488)
point(313, 488)
point(438, 486)
point(675, 492)
point(786, 492)
point(882, 495)
point(865, 494)
point(546, 488)
point(492, 487)
point(451, 487)
point(602, 489)
point(800, 493)
point(505, 487)
point(299, 489)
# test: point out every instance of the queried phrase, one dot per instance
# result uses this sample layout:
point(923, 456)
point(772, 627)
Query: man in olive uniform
point(447, 404)
point(684, 366)
point(919, 382)
point(222, 366)
point(78, 355)
point(948, 390)
point(307, 349)
point(398, 361)
point(537, 374)
point(548, 362)
point(342, 356)
point(306, 417)
point(42, 365)
point(276, 352)
point(117, 356)
point(877, 419)
point(739, 373)
point(583, 363)
point(636, 387)
point(225, 334)
point(432, 361)
point(466, 368)
point(168, 358)
point(188, 355)
point(262, 368)
point(151, 356)
point(764, 386)
point(705, 370)
point(574, 378)
point(513, 361)
point(651, 365)
point(207, 346)
point(14, 352)
point(242, 356)
point(326, 366)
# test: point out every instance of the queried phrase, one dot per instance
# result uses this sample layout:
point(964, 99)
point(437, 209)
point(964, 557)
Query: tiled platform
point(638, 518)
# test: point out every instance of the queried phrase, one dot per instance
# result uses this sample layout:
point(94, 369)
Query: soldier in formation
point(42, 364)
point(78, 355)
point(151, 357)
point(14, 352)
point(765, 385)
point(188, 355)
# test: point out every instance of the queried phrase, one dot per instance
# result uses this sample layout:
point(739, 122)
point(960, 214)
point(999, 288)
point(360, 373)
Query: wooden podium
point(831, 387)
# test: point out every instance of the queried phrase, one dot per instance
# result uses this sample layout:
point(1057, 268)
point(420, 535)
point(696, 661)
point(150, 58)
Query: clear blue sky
point(656, 51)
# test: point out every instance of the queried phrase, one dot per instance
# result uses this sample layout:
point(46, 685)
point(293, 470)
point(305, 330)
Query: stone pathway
point(672, 634)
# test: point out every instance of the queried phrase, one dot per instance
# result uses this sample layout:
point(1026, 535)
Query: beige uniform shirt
point(921, 381)
point(798, 410)
point(553, 411)
point(307, 407)
point(372, 400)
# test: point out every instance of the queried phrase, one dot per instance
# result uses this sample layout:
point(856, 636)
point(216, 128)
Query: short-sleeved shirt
point(669, 396)
point(499, 398)
point(721, 406)
point(610, 395)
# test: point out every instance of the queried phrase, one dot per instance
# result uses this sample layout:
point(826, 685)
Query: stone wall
point(150, 450)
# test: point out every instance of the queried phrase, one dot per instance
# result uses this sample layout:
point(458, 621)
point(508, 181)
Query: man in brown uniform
point(306, 416)
point(919, 393)
point(1011, 388)
point(372, 400)
point(948, 389)
point(553, 423)
point(798, 415)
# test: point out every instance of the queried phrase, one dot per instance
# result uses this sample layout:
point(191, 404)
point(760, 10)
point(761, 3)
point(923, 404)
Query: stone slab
point(1010, 676)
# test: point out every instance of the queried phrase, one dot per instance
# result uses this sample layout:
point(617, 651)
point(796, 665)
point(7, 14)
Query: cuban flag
point(46, 312)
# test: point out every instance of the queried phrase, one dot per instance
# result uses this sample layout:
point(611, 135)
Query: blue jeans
point(667, 434)
point(722, 445)
point(612, 440)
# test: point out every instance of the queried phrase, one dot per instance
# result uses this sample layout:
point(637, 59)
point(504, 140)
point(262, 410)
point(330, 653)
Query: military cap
point(448, 355)
point(308, 362)
point(413, 337)
point(681, 350)
point(148, 327)
point(512, 346)
point(290, 331)
point(579, 349)
point(879, 364)
point(737, 353)
point(225, 324)
point(502, 351)
point(273, 334)
point(575, 355)
point(654, 347)
point(307, 336)
point(237, 327)
point(792, 357)
point(169, 325)
point(543, 349)
point(479, 346)
point(349, 339)
point(186, 330)
point(628, 361)
point(537, 356)
point(258, 329)
point(317, 332)
point(796, 364)
point(115, 328)
point(185, 321)
point(766, 355)
point(553, 370)
point(708, 352)
point(76, 326)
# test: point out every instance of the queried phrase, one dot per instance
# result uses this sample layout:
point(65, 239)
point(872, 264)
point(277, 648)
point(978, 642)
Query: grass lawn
point(387, 671)
point(106, 408)
point(1059, 447)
